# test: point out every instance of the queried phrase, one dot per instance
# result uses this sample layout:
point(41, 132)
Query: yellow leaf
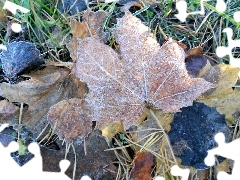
point(223, 97)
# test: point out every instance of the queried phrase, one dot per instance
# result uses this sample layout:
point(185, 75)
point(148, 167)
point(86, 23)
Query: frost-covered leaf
point(90, 25)
point(19, 56)
point(7, 110)
point(70, 119)
point(121, 84)
point(45, 88)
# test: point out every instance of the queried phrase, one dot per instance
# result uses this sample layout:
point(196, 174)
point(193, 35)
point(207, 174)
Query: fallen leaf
point(192, 133)
point(8, 110)
point(142, 168)
point(142, 74)
point(7, 136)
point(196, 63)
point(69, 118)
point(45, 88)
point(194, 51)
point(112, 129)
point(94, 164)
point(223, 97)
point(90, 25)
point(15, 60)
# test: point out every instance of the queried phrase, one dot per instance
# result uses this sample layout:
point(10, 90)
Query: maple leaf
point(121, 84)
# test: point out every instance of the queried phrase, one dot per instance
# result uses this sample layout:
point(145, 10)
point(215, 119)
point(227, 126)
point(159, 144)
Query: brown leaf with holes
point(121, 84)
point(69, 118)
point(45, 88)
point(223, 97)
point(142, 167)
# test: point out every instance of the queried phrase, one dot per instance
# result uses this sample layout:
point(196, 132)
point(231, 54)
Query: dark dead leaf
point(19, 57)
point(94, 164)
point(45, 88)
point(196, 63)
point(142, 168)
point(144, 2)
point(121, 85)
point(7, 136)
point(192, 133)
point(70, 118)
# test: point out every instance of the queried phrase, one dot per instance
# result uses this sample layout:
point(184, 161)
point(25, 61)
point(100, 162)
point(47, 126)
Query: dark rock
point(19, 57)
point(192, 133)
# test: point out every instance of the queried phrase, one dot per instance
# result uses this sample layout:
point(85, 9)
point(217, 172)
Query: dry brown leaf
point(70, 118)
point(91, 25)
point(45, 88)
point(224, 98)
point(8, 110)
point(112, 129)
point(143, 165)
point(142, 73)
point(194, 51)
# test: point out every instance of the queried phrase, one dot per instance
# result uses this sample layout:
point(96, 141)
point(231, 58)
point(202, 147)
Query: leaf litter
point(44, 89)
point(122, 83)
